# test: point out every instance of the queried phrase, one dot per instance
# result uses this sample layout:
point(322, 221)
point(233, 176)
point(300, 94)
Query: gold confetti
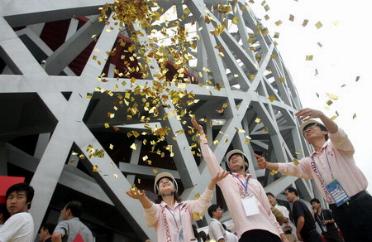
point(273, 172)
point(278, 23)
point(291, 17)
point(309, 58)
point(196, 216)
point(305, 22)
point(318, 25)
point(111, 147)
point(95, 168)
point(272, 98)
point(296, 162)
point(247, 140)
point(145, 158)
point(115, 175)
point(257, 120)
point(329, 102)
point(332, 96)
point(133, 146)
point(235, 20)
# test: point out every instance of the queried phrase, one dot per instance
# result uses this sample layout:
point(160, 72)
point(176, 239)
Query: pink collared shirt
point(334, 161)
point(231, 190)
point(169, 222)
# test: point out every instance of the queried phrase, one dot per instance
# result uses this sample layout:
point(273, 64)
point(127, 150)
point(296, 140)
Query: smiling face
point(236, 162)
point(166, 186)
point(17, 202)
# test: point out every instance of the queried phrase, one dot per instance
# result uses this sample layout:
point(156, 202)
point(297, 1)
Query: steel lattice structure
point(252, 78)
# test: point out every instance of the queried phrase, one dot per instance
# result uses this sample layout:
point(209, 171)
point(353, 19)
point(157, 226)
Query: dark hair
point(292, 190)
point(270, 194)
point(316, 200)
point(48, 226)
point(4, 212)
point(211, 209)
point(321, 126)
point(22, 187)
point(75, 207)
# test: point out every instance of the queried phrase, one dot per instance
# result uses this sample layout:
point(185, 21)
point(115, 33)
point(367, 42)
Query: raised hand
point(307, 113)
point(261, 161)
point(220, 175)
point(197, 126)
point(135, 193)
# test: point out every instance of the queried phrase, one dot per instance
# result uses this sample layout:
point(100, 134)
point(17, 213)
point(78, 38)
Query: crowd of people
point(256, 215)
point(17, 225)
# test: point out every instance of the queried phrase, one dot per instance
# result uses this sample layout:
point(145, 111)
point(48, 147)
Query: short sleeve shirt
point(18, 228)
point(300, 209)
point(69, 229)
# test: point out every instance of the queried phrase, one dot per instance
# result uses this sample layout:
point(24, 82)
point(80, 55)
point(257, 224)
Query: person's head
point(237, 161)
point(315, 204)
point(19, 198)
point(46, 231)
point(214, 211)
point(272, 198)
point(313, 130)
point(72, 209)
point(291, 194)
point(165, 185)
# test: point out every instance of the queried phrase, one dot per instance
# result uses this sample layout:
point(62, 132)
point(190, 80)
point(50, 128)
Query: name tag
point(337, 192)
point(250, 205)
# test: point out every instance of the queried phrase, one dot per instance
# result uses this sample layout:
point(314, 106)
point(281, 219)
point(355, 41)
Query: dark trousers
point(332, 236)
point(311, 236)
point(355, 218)
point(257, 235)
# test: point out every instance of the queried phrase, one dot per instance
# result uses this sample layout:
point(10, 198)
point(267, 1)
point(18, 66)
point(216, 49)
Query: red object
point(6, 182)
point(78, 238)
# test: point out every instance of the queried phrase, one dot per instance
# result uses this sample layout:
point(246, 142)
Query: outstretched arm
point(151, 210)
point(207, 153)
point(307, 113)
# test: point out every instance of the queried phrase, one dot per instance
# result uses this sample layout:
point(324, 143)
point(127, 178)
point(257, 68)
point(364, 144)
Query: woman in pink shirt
point(172, 218)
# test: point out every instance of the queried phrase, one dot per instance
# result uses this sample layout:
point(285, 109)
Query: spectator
point(20, 226)
point(244, 195)
point(71, 228)
point(216, 230)
point(287, 226)
point(302, 217)
point(335, 174)
point(324, 219)
point(45, 233)
point(171, 218)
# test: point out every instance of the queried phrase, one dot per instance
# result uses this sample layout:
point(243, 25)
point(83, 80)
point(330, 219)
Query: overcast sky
point(345, 53)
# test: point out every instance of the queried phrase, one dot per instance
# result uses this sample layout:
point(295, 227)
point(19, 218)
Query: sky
point(341, 51)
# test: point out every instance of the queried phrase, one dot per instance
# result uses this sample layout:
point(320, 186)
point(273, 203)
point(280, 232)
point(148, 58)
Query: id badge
point(250, 205)
point(337, 192)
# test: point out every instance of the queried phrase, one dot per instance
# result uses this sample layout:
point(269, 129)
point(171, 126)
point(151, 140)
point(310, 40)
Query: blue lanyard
point(244, 185)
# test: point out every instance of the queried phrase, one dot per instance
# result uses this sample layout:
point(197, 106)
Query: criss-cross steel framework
point(243, 60)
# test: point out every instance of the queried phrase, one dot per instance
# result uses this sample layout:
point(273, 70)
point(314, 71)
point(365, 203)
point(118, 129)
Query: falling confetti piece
point(278, 23)
point(133, 146)
point(273, 172)
point(257, 120)
point(111, 147)
point(318, 25)
point(329, 102)
point(95, 168)
point(309, 58)
point(357, 78)
point(291, 17)
point(332, 96)
point(272, 98)
point(296, 162)
point(305, 22)
point(354, 116)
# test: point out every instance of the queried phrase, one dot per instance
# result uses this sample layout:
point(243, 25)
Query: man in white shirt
point(20, 225)
point(216, 230)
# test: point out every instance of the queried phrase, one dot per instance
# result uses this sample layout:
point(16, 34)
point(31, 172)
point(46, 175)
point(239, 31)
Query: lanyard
point(320, 177)
point(174, 218)
point(243, 184)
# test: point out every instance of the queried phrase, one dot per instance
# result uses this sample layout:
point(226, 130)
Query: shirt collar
point(247, 175)
point(164, 204)
point(321, 150)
